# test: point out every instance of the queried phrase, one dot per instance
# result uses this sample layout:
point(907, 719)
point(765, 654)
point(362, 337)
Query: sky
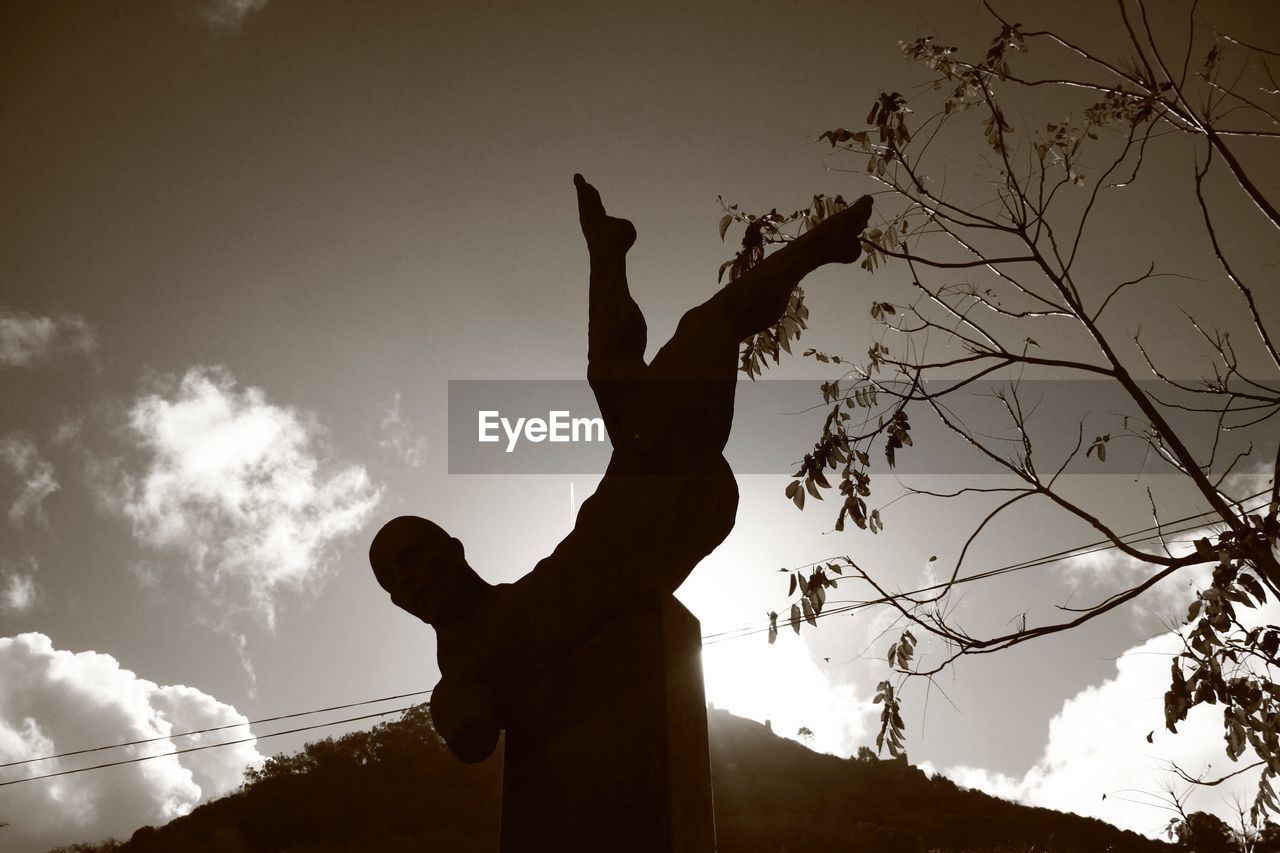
point(246, 245)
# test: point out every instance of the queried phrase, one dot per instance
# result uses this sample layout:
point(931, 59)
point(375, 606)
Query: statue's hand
point(465, 719)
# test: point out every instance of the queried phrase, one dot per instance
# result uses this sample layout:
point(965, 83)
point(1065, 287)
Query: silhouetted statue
point(667, 499)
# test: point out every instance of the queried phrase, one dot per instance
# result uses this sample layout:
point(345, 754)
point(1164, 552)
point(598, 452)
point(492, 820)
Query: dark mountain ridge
point(396, 788)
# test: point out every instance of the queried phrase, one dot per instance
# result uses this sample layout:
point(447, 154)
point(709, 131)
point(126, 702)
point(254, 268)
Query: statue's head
point(424, 569)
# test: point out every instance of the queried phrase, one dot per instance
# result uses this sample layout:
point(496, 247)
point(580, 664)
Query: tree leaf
point(816, 598)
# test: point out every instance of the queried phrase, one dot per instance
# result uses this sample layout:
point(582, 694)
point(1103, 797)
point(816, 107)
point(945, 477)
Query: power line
point(215, 728)
point(1132, 538)
point(135, 760)
point(1029, 564)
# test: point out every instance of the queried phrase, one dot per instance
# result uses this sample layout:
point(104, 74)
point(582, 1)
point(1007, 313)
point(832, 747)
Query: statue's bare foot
point(837, 239)
point(607, 235)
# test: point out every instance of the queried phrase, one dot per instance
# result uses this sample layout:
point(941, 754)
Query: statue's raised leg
point(616, 331)
point(666, 502)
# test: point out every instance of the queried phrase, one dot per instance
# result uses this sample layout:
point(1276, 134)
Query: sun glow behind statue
point(784, 685)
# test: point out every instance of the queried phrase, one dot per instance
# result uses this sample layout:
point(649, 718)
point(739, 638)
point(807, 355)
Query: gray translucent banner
point(554, 427)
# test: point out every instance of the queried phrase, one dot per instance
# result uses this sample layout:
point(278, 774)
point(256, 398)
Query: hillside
point(396, 788)
point(773, 794)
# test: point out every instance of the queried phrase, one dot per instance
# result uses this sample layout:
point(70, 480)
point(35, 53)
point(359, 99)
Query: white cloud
point(67, 431)
point(55, 701)
point(228, 15)
point(1104, 573)
point(246, 662)
point(1252, 479)
point(783, 684)
point(18, 590)
point(26, 339)
point(34, 473)
point(241, 488)
point(1097, 745)
point(400, 438)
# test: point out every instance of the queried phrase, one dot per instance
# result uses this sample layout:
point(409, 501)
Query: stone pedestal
point(610, 753)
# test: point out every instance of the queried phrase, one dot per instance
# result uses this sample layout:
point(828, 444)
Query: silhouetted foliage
point(1206, 833)
point(1003, 286)
point(1267, 840)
